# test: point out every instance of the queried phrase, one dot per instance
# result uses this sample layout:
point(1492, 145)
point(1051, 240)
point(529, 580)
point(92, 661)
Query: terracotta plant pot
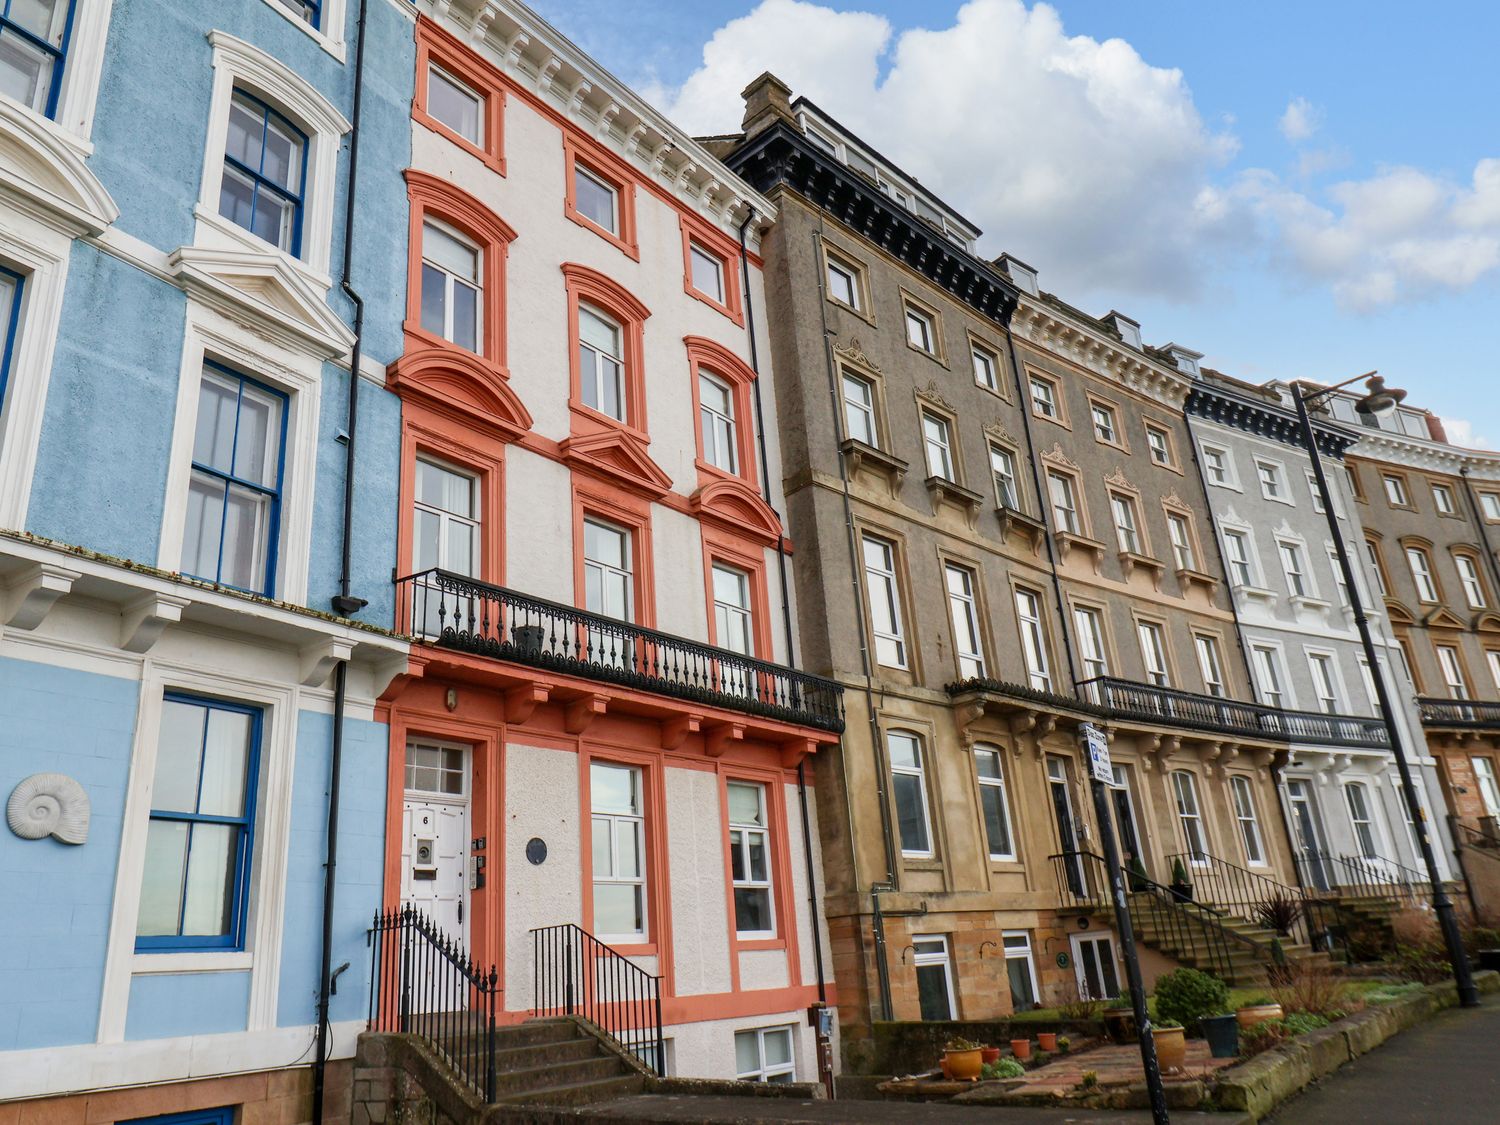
point(1249, 1016)
point(1171, 1048)
point(943, 1066)
point(991, 1054)
point(963, 1065)
point(1021, 1048)
point(1047, 1040)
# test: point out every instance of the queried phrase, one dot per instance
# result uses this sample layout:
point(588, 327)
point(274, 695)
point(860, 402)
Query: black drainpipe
point(786, 605)
point(345, 603)
point(1480, 525)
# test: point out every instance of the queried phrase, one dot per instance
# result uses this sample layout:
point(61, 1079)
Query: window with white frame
point(1357, 798)
point(608, 578)
point(1127, 531)
point(1325, 683)
point(1442, 498)
point(308, 11)
point(1312, 491)
point(750, 859)
point(921, 330)
point(1189, 816)
point(33, 51)
point(455, 104)
point(1043, 397)
point(234, 498)
point(1492, 657)
point(963, 609)
point(843, 282)
point(11, 286)
point(885, 602)
point(1453, 671)
point(1272, 487)
point(1421, 573)
point(195, 883)
point(1064, 501)
point(986, 364)
point(716, 419)
point(434, 768)
point(1106, 427)
point(1372, 553)
point(1294, 568)
point(859, 410)
point(445, 535)
point(1404, 658)
point(1338, 577)
point(937, 440)
point(1154, 652)
point(601, 364)
point(707, 271)
point(1020, 970)
point(1489, 504)
point(1489, 786)
point(265, 162)
point(1088, 623)
point(1237, 552)
point(1210, 663)
point(596, 199)
point(990, 770)
point(1216, 464)
point(764, 1055)
point(618, 828)
point(1411, 827)
point(1003, 469)
point(1395, 491)
point(1244, 815)
point(452, 287)
point(934, 971)
point(734, 620)
point(1033, 639)
point(1181, 536)
point(1468, 577)
point(1368, 679)
point(1272, 683)
point(1159, 445)
point(909, 792)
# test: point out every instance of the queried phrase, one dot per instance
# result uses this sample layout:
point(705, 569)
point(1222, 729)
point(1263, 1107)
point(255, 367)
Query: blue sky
point(1352, 236)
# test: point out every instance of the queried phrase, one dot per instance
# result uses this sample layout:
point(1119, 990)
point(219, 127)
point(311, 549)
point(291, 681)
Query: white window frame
point(937, 443)
point(1240, 563)
point(1180, 534)
point(1218, 463)
point(1105, 421)
point(1190, 819)
point(451, 279)
point(712, 423)
point(637, 823)
point(1468, 578)
point(963, 611)
point(1293, 558)
point(1044, 405)
point(1065, 515)
point(865, 409)
point(1338, 578)
point(237, 63)
point(924, 798)
point(77, 99)
point(583, 171)
point(997, 788)
point(1451, 665)
point(943, 960)
point(1442, 499)
point(1003, 472)
point(1127, 523)
point(1033, 639)
point(1153, 640)
point(609, 570)
point(986, 366)
point(1271, 476)
point(329, 35)
point(1327, 688)
point(698, 254)
point(770, 1073)
point(920, 320)
point(725, 612)
point(1251, 840)
point(1164, 448)
point(1397, 495)
point(469, 568)
point(481, 102)
point(1023, 938)
point(882, 579)
point(844, 268)
point(746, 831)
point(1420, 564)
point(1210, 663)
point(1270, 676)
point(1489, 506)
point(1088, 624)
point(1492, 658)
point(1372, 557)
point(597, 369)
point(1367, 821)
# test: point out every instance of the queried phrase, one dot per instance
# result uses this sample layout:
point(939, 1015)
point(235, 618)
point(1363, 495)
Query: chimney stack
point(767, 99)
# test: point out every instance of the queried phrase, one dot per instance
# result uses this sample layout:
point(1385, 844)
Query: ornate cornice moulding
point(1042, 326)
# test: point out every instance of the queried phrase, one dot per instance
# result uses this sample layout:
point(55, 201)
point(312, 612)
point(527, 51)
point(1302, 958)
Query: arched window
point(606, 323)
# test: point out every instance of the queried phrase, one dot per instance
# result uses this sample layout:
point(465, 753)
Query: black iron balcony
point(1150, 703)
point(1466, 714)
point(461, 613)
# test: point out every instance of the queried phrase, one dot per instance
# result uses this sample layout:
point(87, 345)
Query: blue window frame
point(11, 285)
point(223, 1115)
point(234, 498)
point(265, 167)
point(195, 880)
point(309, 12)
point(34, 38)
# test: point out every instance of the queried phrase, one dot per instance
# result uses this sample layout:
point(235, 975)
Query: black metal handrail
point(423, 983)
point(1486, 837)
point(472, 616)
point(1169, 706)
point(1437, 712)
point(1265, 901)
point(1361, 876)
point(576, 974)
point(1171, 921)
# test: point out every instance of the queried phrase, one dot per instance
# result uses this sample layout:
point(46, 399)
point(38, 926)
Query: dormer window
point(264, 160)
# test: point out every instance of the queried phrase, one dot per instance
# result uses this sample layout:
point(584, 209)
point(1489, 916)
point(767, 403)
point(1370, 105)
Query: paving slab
point(751, 1111)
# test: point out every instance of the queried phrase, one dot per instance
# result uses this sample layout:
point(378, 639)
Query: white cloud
point(1301, 120)
point(1460, 431)
point(1072, 153)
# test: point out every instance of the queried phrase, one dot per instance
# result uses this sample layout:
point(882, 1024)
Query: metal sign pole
point(1102, 774)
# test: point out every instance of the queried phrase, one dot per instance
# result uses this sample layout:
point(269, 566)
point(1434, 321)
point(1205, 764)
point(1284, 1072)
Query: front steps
point(557, 1062)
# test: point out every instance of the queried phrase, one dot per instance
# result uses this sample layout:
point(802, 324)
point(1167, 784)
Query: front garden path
point(1112, 1065)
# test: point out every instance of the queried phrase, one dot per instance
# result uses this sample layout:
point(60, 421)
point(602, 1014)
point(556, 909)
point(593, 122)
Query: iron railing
point(1486, 837)
point(1361, 876)
point(1150, 703)
point(1260, 899)
point(1470, 713)
point(423, 983)
point(462, 613)
point(1158, 914)
point(576, 974)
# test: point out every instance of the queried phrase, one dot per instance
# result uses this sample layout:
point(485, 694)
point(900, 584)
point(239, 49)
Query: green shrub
point(1004, 1068)
point(1263, 1036)
point(1179, 872)
point(1188, 995)
point(1300, 1023)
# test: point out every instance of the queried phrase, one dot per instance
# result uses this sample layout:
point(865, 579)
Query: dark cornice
point(781, 154)
point(1262, 419)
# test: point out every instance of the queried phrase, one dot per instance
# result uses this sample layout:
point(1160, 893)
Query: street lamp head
point(1380, 401)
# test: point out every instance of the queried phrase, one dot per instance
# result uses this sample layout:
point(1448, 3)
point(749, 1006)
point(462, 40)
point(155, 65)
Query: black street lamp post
point(1380, 401)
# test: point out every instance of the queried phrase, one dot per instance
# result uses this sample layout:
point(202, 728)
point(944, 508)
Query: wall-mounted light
point(451, 699)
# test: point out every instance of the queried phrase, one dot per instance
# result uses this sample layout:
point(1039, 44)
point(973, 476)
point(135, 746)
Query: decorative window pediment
point(1056, 456)
point(47, 177)
point(462, 384)
point(738, 506)
point(934, 397)
point(854, 352)
point(1443, 618)
point(616, 455)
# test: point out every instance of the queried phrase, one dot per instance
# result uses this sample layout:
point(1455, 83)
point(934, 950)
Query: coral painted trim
point(586, 285)
point(462, 386)
point(721, 246)
point(711, 356)
point(735, 552)
point(783, 904)
point(437, 46)
point(605, 166)
point(431, 197)
point(614, 505)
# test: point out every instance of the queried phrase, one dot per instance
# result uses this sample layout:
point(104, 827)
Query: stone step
point(579, 1093)
point(546, 1054)
point(539, 1080)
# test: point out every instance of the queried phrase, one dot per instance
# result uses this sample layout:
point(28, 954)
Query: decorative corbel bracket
point(581, 712)
point(795, 751)
point(143, 621)
point(721, 736)
point(521, 702)
point(674, 731)
point(319, 658)
point(29, 597)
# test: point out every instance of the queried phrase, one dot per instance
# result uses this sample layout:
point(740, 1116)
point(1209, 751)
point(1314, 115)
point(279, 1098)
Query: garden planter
point(991, 1054)
point(1021, 1048)
point(1249, 1016)
point(1119, 1025)
point(963, 1065)
point(528, 640)
point(943, 1066)
point(1171, 1048)
point(1223, 1035)
point(1047, 1040)
point(1182, 892)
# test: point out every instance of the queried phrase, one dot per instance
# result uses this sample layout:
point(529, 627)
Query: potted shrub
point(1223, 1034)
point(1046, 1040)
point(1064, 1044)
point(1135, 872)
point(990, 1055)
point(1021, 1048)
point(963, 1059)
point(1119, 1020)
point(1181, 888)
point(1259, 1010)
point(1171, 1046)
point(1003, 1069)
point(1185, 996)
point(1278, 912)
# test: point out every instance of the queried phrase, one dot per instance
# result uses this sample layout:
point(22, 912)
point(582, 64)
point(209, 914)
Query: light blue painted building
point(174, 420)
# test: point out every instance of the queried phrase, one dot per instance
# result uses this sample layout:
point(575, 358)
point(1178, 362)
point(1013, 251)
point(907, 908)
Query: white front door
point(435, 836)
point(1095, 967)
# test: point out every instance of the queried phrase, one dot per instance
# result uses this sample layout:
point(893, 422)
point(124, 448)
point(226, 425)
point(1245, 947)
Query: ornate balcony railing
point(461, 613)
point(1147, 702)
point(1466, 713)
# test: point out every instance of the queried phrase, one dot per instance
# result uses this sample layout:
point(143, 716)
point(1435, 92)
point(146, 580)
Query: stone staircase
point(559, 1062)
